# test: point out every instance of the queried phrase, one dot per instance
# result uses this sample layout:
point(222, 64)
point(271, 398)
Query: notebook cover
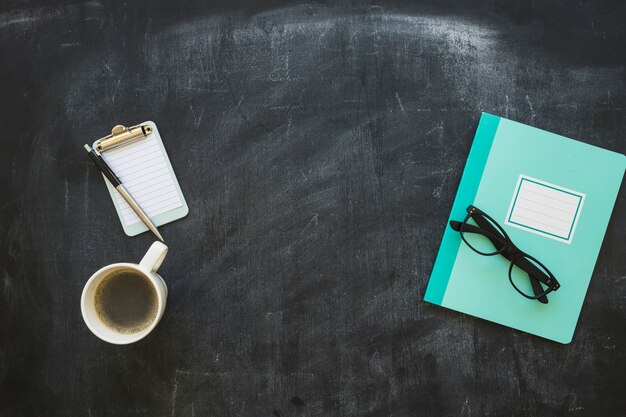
point(160, 219)
point(508, 164)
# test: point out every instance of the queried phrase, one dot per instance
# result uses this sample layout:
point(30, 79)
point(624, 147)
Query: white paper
point(143, 170)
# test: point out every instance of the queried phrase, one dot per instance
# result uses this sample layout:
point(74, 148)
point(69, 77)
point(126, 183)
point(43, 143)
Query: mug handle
point(153, 259)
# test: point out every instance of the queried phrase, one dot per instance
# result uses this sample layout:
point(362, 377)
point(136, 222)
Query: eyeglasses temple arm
point(538, 289)
point(534, 272)
point(483, 223)
point(469, 228)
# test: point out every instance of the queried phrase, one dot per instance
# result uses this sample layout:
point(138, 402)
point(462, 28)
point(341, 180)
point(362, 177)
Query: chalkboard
point(319, 147)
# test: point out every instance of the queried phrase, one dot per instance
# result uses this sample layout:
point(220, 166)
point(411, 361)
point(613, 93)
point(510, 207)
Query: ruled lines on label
point(544, 208)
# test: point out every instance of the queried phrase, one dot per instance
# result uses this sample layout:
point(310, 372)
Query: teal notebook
point(554, 197)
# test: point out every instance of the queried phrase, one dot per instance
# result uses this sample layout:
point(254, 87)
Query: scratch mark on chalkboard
point(276, 74)
point(400, 104)
point(66, 193)
point(31, 16)
point(86, 191)
point(601, 35)
point(506, 106)
point(439, 129)
point(211, 63)
point(55, 259)
point(11, 202)
point(437, 190)
point(174, 394)
point(175, 389)
point(196, 118)
point(530, 106)
point(466, 409)
point(313, 220)
point(573, 407)
point(117, 86)
point(239, 103)
point(585, 73)
point(182, 372)
point(435, 172)
point(289, 120)
point(148, 30)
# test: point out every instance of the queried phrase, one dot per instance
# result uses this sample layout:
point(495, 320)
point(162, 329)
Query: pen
point(117, 184)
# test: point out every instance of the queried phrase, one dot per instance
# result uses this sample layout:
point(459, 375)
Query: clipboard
point(137, 156)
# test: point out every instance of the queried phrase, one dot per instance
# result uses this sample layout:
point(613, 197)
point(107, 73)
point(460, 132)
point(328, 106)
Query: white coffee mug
point(147, 267)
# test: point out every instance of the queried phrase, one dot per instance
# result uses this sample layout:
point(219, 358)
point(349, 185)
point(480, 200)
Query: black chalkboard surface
point(319, 147)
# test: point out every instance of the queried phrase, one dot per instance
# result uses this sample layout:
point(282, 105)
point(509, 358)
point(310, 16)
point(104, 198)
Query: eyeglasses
point(486, 237)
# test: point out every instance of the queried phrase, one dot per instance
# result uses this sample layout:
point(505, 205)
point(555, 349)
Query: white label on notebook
point(144, 172)
point(545, 209)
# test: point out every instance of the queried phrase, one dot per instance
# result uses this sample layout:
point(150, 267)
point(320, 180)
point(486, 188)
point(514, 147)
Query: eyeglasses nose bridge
point(512, 252)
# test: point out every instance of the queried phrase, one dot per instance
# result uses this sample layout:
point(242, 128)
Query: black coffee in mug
point(126, 301)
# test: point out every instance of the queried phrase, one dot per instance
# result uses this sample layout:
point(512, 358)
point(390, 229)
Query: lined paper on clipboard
point(144, 168)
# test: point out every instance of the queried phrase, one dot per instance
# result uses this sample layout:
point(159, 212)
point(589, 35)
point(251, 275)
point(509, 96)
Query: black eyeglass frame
point(503, 245)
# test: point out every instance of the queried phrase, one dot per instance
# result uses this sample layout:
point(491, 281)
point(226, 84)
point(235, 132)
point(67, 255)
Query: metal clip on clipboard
point(120, 135)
